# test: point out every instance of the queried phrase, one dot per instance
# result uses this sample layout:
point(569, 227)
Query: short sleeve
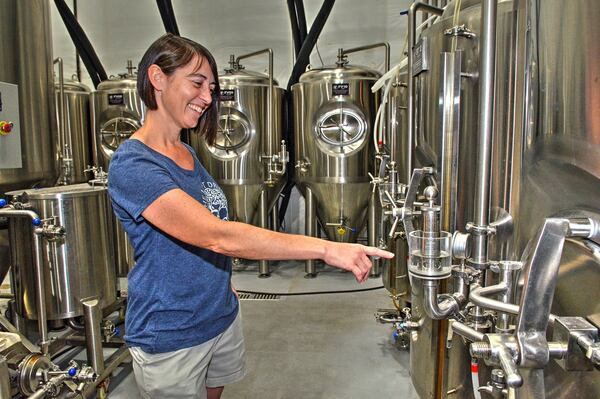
point(136, 180)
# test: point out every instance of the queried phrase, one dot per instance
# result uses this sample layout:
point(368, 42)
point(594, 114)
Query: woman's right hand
point(353, 257)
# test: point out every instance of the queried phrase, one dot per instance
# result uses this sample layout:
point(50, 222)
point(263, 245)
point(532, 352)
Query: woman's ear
point(157, 77)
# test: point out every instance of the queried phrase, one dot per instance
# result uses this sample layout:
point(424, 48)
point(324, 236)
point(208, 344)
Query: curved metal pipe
point(371, 46)
point(465, 331)
point(479, 296)
point(39, 273)
point(439, 310)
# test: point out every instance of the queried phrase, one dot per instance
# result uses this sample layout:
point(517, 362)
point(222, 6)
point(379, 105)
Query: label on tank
point(420, 54)
point(340, 89)
point(116, 99)
point(227, 95)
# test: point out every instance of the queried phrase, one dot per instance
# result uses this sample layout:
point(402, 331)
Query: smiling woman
point(183, 323)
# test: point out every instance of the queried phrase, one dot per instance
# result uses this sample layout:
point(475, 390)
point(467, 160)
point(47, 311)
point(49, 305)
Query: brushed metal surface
point(77, 104)
point(338, 163)
point(26, 49)
point(78, 266)
point(234, 162)
point(112, 124)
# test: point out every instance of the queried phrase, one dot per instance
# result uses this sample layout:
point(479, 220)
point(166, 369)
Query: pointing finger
point(373, 251)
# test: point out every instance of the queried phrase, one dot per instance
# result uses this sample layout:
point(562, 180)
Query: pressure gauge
point(341, 129)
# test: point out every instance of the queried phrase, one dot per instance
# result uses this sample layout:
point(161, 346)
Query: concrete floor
point(317, 346)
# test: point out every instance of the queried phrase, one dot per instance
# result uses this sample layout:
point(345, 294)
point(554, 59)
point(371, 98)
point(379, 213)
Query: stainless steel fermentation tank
point(27, 154)
point(249, 158)
point(117, 112)
point(334, 112)
point(543, 162)
point(77, 259)
point(74, 130)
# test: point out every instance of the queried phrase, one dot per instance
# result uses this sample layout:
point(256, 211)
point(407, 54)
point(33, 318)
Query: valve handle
point(36, 222)
point(2, 202)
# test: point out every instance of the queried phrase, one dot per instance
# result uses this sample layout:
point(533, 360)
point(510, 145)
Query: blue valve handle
point(37, 221)
point(72, 371)
point(2, 202)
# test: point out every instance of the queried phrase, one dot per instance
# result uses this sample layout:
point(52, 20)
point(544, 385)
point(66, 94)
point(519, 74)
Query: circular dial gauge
point(117, 130)
point(343, 128)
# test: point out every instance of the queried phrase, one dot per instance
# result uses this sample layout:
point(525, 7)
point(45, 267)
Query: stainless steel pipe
point(487, 72)
point(372, 46)
point(465, 331)
point(39, 274)
point(92, 314)
point(263, 265)
point(310, 224)
point(269, 94)
point(439, 310)
point(479, 297)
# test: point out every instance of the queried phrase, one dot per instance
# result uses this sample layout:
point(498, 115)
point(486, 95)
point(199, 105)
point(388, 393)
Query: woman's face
point(187, 92)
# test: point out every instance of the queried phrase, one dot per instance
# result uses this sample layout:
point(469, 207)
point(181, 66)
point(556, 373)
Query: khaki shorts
point(186, 373)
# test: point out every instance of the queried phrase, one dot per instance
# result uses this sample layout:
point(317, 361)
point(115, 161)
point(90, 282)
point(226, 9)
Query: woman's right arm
point(181, 216)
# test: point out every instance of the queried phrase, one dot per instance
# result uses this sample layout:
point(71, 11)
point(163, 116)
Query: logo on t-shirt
point(215, 200)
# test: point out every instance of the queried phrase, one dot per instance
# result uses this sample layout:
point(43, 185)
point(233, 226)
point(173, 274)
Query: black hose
point(165, 8)
point(302, 61)
point(309, 292)
point(309, 44)
point(294, 27)
point(82, 44)
point(74, 324)
point(301, 20)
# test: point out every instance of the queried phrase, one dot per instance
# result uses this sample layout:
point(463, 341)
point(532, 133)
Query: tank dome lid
point(335, 72)
point(73, 85)
point(244, 77)
point(119, 83)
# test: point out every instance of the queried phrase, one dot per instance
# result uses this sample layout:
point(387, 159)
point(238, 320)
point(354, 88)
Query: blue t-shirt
point(179, 295)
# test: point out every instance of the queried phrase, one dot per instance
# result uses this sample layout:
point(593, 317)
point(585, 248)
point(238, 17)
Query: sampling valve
point(276, 164)
point(100, 176)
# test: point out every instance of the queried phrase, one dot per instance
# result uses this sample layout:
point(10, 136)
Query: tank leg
point(310, 230)
point(263, 265)
point(92, 315)
point(372, 233)
point(275, 217)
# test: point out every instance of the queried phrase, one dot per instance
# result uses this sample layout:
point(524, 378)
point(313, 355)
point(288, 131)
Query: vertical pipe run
point(4, 380)
point(373, 223)
point(412, 33)
point(93, 334)
point(310, 229)
point(41, 291)
point(487, 73)
point(263, 265)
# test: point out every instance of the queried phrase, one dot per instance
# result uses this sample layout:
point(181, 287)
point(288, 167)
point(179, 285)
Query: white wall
point(122, 29)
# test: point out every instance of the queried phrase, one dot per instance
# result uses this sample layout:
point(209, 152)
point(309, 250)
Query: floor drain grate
point(259, 297)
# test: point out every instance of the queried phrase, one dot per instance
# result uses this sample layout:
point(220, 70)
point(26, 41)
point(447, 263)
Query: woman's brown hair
point(169, 53)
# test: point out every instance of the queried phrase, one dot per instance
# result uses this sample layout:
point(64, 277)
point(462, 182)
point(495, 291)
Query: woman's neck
point(156, 133)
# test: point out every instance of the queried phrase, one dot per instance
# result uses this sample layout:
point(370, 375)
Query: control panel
point(10, 127)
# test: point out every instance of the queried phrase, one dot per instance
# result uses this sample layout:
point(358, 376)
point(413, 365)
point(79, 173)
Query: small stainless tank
point(117, 112)
point(334, 112)
point(77, 125)
point(78, 265)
